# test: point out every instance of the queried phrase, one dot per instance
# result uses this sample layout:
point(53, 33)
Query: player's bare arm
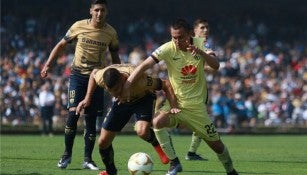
point(90, 90)
point(58, 49)
point(115, 57)
point(148, 63)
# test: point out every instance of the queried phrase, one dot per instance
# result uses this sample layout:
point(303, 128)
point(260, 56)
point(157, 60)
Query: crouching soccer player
point(141, 105)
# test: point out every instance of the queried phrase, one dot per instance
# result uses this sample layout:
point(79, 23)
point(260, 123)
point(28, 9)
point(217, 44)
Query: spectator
point(47, 102)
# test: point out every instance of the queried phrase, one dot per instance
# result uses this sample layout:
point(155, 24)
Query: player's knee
point(157, 123)
point(142, 133)
point(103, 143)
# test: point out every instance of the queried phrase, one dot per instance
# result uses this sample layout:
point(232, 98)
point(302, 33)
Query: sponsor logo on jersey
point(93, 42)
point(188, 70)
point(189, 74)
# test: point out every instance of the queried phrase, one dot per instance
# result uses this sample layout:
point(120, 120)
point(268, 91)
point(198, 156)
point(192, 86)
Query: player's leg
point(144, 131)
point(222, 153)
point(143, 112)
point(114, 122)
point(76, 92)
point(195, 142)
point(90, 116)
point(196, 121)
point(70, 133)
point(106, 150)
point(160, 122)
point(89, 140)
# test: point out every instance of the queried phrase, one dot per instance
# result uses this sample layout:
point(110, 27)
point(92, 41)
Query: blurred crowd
point(261, 81)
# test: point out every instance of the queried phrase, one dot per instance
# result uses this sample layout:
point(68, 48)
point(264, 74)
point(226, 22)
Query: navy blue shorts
point(77, 91)
point(120, 115)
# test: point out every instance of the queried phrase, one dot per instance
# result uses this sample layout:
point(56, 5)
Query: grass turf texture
point(256, 155)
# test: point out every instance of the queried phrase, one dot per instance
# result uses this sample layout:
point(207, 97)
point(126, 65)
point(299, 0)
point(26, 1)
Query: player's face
point(202, 30)
point(181, 38)
point(116, 90)
point(98, 12)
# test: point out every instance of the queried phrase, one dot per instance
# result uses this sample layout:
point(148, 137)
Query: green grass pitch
point(254, 155)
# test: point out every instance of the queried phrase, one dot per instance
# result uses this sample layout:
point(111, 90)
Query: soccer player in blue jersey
point(93, 37)
point(185, 59)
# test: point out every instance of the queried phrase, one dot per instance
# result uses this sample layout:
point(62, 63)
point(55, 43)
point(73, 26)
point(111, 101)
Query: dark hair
point(181, 23)
point(111, 77)
point(199, 21)
point(99, 2)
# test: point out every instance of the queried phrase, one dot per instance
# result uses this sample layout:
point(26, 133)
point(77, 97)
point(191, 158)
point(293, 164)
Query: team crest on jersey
point(158, 51)
point(197, 57)
point(188, 70)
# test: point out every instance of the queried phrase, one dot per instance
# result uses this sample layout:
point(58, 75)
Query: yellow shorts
point(195, 118)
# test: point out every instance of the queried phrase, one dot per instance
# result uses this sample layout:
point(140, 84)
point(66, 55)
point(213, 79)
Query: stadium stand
point(261, 47)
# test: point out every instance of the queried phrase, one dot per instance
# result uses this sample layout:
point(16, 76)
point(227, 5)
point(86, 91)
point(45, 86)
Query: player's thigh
point(161, 120)
point(117, 118)
point(76, 90)
point(199, 122)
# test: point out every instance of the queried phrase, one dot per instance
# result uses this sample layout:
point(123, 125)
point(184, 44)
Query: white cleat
point(90, 165)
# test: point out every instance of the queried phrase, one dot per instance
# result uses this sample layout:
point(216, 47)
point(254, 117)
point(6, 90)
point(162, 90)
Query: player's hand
point(175, 110)
point(83, 104)
point(44, 71)
point(193, 49)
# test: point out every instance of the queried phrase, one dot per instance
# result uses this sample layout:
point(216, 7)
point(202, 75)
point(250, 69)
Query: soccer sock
point(166, 143)
point(194, 143)
point(70, 132)
point(154, 142)
point(89, 136)
point(107, 157)
point(226, 160)
point(152, 139)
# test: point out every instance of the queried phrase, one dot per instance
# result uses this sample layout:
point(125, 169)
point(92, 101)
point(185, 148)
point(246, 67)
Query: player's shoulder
point(82, 22)
point(170, 45)
point(123, 67)
point(164, 50)
point(110, 28)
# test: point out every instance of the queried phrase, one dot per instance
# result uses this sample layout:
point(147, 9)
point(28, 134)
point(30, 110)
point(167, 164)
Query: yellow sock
point(226, 160)
point(194, 143)
point(165, 141)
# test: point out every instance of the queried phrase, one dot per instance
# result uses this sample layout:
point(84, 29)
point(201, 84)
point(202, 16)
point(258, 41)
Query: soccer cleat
point(193, 156)
point(175, 167)
point(104, 172)
point(164, 159)
point(90, 165)
point(64, 161)
point(233, 172)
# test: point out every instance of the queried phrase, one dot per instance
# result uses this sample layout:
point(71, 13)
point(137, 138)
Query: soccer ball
point(140, 164)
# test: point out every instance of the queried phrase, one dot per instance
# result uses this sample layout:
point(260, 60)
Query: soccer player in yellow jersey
point(141, 105)
point(185, 59)
point(201, 30)
point(93, 37)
